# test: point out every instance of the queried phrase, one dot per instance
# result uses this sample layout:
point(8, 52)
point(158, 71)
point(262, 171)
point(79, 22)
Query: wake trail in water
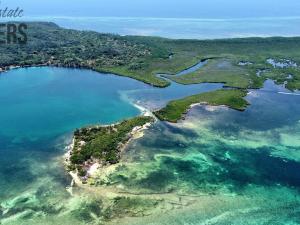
point(288, 93)
point(277, 92)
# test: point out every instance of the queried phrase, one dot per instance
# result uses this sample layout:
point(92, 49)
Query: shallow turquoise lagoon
point(239, 167)
point(219, 166)
point(42, 106)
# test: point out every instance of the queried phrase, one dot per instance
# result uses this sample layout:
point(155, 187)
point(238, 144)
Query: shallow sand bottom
point(218, 166)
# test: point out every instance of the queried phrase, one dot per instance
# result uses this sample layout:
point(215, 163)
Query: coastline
point(136, 133)
point(5, 69)
point(177, 109)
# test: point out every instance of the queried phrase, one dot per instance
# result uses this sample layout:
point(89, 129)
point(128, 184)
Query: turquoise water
point(155, 98)
point(219, 166)
point(265, 139)
point(53, 101)
point(240, 168)
point(42, 106)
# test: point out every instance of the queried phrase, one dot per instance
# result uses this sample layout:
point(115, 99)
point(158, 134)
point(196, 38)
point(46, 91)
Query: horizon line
point(162, 18)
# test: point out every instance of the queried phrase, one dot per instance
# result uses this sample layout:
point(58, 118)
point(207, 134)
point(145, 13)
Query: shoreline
point(92, 169)
point(5, 69)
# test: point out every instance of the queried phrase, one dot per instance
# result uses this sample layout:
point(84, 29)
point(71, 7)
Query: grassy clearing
point(232, 98)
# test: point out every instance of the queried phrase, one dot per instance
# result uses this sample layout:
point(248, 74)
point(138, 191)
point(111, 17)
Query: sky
point(158, 8)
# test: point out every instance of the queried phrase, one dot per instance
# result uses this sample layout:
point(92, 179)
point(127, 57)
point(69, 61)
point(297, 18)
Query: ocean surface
point(187, 28)
point(240, 167)
point(216, 167)
point(219, 166)
point(40, 109)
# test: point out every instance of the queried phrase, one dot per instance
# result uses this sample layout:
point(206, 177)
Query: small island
point(99, 146)
point(102, 145)
point(232, 98)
